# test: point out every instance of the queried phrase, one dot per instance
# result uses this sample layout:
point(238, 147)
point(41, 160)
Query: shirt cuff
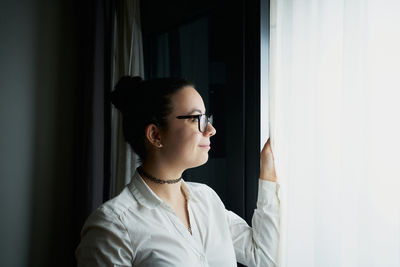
point(267, 193)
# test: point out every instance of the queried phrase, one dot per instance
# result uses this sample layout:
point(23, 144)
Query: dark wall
point(158, 16)
point(37, 104)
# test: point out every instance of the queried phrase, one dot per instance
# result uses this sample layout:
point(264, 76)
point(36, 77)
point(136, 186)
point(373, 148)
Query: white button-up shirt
point(137, 228)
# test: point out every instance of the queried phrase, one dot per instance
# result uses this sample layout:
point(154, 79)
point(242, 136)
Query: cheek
point(184, 142)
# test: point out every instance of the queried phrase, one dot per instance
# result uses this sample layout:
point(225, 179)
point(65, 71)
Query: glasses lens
point(204, 120)
point(203, 123)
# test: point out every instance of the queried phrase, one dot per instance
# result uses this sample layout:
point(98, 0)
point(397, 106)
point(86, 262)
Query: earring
point(159, 145)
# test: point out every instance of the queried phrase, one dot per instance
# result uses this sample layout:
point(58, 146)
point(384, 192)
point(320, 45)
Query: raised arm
point(259, 245)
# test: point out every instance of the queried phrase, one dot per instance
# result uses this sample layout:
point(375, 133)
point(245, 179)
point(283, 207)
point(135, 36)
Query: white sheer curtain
point(128, 60)
point(335, 130)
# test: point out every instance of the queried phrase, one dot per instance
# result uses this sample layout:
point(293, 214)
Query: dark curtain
point(94, 52)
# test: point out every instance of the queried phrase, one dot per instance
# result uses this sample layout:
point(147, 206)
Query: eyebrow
point(194, 110)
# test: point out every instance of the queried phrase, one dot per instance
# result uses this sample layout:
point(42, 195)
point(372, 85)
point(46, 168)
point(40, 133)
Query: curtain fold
point(128, 60)
point(91, 123)
point(334, 131)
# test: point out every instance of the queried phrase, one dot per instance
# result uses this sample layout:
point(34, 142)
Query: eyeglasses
point(202, 120)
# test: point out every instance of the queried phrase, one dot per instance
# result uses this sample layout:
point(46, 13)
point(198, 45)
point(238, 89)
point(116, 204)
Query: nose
point(210, 130)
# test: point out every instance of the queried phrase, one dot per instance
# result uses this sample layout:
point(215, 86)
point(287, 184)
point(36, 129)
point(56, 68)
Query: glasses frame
point(209, 119)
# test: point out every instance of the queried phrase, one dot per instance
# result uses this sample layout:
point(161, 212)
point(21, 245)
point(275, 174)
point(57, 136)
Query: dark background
point(55, 115)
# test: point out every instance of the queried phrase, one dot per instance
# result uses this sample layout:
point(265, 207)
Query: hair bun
point(125, 93)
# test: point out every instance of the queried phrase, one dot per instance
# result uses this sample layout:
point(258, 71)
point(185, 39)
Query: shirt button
point(201, 258)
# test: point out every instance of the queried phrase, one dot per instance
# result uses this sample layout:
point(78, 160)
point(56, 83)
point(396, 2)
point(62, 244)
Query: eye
point(195, 119)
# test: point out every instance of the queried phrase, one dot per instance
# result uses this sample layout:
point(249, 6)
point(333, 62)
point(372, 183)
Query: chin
point(200, 162)
point(204, 161)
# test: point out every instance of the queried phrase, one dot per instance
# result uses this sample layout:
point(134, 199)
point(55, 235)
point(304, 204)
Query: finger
point(267, 146)
point(267, 153)
point(267, 143)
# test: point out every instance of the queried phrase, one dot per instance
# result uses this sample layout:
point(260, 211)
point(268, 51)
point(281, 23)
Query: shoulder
point(104, 236)
point(111, 211)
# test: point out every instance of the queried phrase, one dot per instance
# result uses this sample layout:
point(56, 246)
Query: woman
point(159, 219)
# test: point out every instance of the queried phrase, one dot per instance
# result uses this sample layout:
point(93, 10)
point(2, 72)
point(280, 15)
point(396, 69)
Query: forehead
point(186, 100)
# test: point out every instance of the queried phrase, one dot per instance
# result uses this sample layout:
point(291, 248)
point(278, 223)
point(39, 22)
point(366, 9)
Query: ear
point(153, 135)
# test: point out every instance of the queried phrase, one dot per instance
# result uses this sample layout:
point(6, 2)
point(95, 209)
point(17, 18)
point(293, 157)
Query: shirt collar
point(147, 197)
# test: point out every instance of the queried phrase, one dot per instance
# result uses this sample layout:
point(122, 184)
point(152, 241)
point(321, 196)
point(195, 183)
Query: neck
point(170, 193)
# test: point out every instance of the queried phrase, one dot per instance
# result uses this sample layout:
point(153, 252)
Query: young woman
point(159, 219)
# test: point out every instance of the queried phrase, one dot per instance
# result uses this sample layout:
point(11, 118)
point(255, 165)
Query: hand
point(267, 171)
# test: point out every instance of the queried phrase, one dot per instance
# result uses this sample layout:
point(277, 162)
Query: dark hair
point(142, 103)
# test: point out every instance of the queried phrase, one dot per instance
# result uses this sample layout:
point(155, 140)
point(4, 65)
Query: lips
point(205, 146)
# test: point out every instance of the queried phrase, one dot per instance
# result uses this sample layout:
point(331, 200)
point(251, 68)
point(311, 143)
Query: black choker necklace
point(156, 180)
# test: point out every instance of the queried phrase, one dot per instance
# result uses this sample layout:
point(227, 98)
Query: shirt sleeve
point(258, 246)
point(104, 242)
